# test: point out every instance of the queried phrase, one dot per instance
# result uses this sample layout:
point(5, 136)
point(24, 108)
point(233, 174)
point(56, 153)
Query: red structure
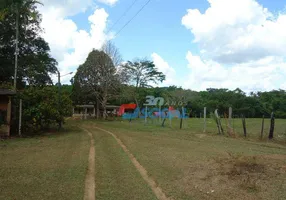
point(124, 107)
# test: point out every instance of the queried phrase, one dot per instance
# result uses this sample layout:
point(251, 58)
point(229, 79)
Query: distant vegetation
point(102, 79)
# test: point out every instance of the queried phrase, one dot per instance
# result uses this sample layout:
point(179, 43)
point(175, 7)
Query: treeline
point(43, 106)
point(253, 105)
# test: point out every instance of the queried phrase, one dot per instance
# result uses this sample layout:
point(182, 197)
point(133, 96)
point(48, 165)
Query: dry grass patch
point(237, 177)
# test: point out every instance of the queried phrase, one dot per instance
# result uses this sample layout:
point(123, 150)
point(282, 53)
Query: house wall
point(5, 106)
point(3, 102)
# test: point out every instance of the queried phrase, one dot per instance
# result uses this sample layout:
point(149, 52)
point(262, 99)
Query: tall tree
point(142, 73)
point(97, 78)
point(35, 62)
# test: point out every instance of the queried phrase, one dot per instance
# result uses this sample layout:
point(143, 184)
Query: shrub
point(42, 108)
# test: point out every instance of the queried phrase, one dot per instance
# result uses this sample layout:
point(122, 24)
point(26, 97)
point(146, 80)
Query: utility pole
point(59, 94)
point(59, 97)
point(20, 118)
point(16, 47)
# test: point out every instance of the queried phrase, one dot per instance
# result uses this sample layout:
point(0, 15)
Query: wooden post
point(220, 131)
point(72, 111)
point(9, 116)
point(229, 117)
point(184, 118)
point(146, 114)
point(93, 111)
point(20, 118)
point(218, 127)
point(244, 126)
point(221, 128)
point(159, 114)
point(272, 124)
point(262, 128)
point(85, 113)
point(170, 117)
point(205, 119)
point(181, 120)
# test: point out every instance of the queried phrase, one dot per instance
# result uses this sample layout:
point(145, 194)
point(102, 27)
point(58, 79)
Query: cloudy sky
point(197, 43)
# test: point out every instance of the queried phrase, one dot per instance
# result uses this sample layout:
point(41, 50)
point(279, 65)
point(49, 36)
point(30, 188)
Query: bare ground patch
point(236, 177)
point(89, 191)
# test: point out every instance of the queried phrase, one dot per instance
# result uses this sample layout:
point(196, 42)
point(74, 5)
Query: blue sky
point(157, 29)
point(208, 46)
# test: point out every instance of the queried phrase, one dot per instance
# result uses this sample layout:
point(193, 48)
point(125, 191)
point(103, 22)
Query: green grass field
point(44, 167)
point(185, 164)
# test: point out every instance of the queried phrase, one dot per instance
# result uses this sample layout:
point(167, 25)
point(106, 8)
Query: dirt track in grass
point(89, 191)
point(143, 172)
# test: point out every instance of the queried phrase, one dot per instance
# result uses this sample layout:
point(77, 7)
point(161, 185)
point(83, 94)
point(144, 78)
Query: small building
point(5, 111)
point(89, 111)
point(84, 111)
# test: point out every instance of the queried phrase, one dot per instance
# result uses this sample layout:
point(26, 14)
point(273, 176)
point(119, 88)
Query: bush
point(41, 108)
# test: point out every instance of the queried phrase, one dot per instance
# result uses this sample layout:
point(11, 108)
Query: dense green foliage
point(250, 105)
point(34, 61)
point(142, 73)
point(96, 80)
point(42, 108)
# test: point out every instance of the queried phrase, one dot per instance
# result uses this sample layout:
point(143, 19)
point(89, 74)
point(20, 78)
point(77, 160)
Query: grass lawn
point(185, 164)
point(188, 164)
point(45, 167)
point(116, 178)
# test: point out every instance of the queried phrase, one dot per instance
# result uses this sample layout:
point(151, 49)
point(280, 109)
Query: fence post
point(20, 118)
point(218, 122)
point(181, 120)
point(272, 123)
point(244, 125)
point(170, 117)
point(229, 117)
point(146, 114)
point(160, 114)
point(205, 118)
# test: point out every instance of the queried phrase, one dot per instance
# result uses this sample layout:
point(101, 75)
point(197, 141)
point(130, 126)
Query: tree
point(142, 73)
point(35, 63)
point(97, 78)
point(40, 108)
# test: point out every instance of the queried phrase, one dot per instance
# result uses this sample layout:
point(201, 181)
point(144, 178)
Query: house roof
point(7, 92)
point(84, 106)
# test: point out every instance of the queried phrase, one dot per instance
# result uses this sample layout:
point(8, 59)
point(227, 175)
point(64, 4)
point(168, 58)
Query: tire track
point(89, 189)
point(143, 172)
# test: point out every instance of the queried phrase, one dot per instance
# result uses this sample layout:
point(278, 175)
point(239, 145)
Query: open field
point(44, 167)
point(185, 164)
point(253, 126)
point(190, 165)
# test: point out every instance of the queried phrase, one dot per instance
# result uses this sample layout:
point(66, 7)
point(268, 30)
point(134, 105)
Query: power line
point(133, 17)
point(126, 11)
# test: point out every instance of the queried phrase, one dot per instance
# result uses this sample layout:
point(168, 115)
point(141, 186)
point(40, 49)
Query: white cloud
point(108, 2)
point(69, 45)
point(241, 44)
point(264, 74)
point(164, 67)
point(65, 8)
point(232, 31)
point(83, 42)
